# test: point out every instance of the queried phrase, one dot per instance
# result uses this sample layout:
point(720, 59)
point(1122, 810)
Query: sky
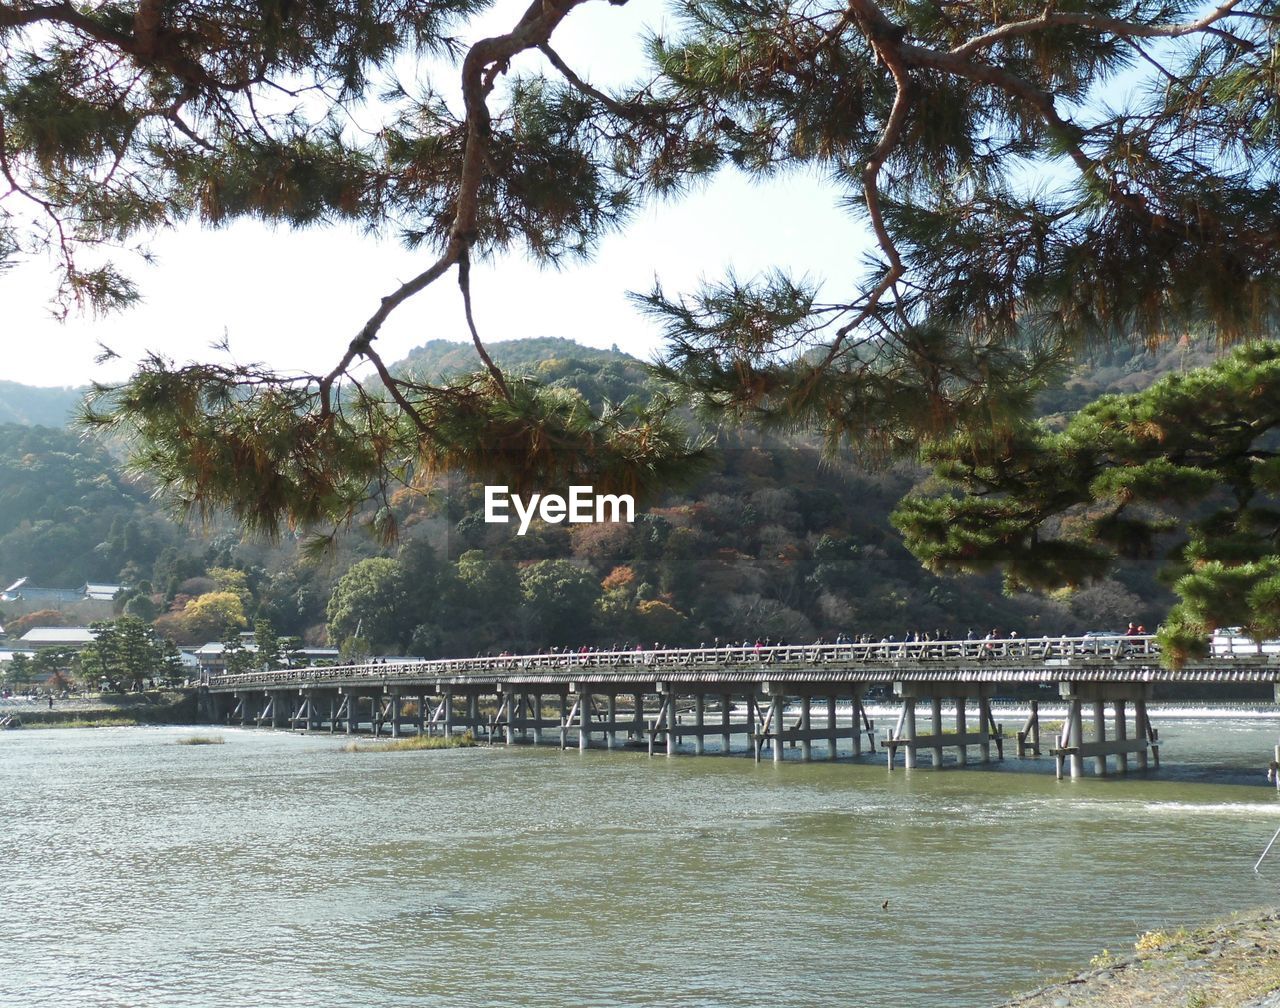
point(293, 300)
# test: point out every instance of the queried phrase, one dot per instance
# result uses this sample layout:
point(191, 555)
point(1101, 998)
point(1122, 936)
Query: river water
point(276, 869)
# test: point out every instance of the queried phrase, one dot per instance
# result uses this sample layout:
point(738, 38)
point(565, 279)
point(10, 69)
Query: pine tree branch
point(1061, 19)
point(393, 388)
point(485, 60)
point(464, 284)
point(146, 27)
point(620, 109)
point(882, 35)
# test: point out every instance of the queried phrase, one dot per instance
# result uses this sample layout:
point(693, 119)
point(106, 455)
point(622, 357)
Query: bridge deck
point(1017, 660)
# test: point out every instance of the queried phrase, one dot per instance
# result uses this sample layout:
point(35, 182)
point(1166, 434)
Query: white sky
point(294, 299)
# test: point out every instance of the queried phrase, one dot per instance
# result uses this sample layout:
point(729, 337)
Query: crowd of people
point(994, 643)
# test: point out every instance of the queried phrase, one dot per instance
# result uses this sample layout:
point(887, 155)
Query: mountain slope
point(33, 406)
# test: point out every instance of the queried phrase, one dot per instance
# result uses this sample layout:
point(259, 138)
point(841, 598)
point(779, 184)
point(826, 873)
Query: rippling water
point(277, 870)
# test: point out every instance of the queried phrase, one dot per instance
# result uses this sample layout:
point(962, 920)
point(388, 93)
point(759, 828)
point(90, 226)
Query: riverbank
point(104, 710)
point(1233, 963)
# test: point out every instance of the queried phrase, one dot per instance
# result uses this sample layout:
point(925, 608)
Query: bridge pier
point(806, 723)
point(773, 730)
point(1030, 733)
point(673, 719)
point(1073, 750)
point(394, 699)
point(906, 737)
point(584, 718)
point(833, 738)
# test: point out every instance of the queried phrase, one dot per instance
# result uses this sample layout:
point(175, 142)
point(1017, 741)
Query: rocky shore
point(1233, 963)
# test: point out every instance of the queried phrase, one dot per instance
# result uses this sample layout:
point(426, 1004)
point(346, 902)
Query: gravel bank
point(1229, 964)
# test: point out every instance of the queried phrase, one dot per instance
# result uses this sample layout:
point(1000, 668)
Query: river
point(275, 869)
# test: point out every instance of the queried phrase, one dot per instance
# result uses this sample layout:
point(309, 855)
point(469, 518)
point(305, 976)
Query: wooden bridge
point(763, 699)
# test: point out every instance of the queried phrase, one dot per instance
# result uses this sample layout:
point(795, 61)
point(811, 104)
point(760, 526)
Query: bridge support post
point(909, 725)
point(857, 716)
point(699, 721)
point(832, 737)
point(726, 707)
point(448, 712)
point(564, 720)
point(584, 718)
point(1075, 728)
point(962, 749)
point(395, 713)
point(1122, 731)
point(673, 720)
point(935, 704)
point(1140, 724)
point(611, 713)
point(777, 704)
point(1100, 737)
point(508, 711)
point(806, 714)
point(1030, 734)
point(637, 719)
point(986, 722)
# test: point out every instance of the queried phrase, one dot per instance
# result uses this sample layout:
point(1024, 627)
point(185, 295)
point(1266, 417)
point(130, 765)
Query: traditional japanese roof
point(69, 636)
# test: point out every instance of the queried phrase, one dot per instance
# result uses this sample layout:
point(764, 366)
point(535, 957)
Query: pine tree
point(1188, 470)
point(1018, 208)
point(267, 645)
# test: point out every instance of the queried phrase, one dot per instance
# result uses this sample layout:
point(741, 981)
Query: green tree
point(1188, 470)
point(237, 658)
point(1014, 205)
point(126, 653)
point(18, 671)
point(171, 667)
point(484, 603)
point(371, 602)
point(49, 661)
point(558, 601)
point(267, 644)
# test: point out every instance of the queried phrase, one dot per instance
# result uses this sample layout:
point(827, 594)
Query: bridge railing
point(890, 653)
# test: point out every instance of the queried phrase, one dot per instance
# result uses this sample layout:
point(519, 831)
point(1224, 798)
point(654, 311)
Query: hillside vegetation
point(773, 542)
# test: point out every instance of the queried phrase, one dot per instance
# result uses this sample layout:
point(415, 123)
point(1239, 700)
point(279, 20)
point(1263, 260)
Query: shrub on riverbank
point(463, 741)
point(78, 721)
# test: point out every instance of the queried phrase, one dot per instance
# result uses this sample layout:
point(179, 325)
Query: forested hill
point(69, 515)
point(600, 375)
point(32, 405)
point(773, 542)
